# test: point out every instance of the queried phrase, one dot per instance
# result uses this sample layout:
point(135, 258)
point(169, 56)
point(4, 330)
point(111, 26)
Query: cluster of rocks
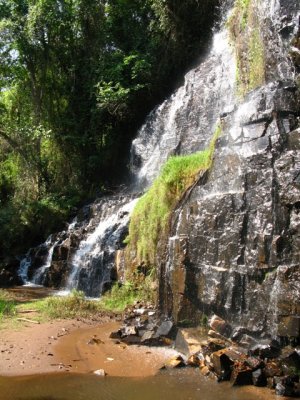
point(142, 325)
point(259, 363)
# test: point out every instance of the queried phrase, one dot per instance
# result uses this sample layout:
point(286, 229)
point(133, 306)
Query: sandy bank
point(75, 346)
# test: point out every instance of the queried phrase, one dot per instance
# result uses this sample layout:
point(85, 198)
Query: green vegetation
point(7, 305)
point(122, 296)
point(149, 223)
point(77, 77)
point(256, 60)
point(75, 305)
point(71, 306)
point(245, 32)
point(244, 8)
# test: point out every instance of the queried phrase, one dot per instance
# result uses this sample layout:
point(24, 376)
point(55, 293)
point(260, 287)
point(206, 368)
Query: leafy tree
point(77, 78)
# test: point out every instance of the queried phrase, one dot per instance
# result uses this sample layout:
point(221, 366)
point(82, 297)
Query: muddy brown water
point(175, 385)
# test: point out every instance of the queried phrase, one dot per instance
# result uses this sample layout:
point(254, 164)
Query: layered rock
point(234, 244)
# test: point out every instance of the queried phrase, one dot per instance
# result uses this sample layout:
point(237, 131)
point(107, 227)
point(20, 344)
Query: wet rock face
point(184, 122)
point(83, 256)
point(8, 276)
point(235, 248)
point(234, 243)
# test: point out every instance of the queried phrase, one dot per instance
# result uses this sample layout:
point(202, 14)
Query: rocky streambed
point(263, 364)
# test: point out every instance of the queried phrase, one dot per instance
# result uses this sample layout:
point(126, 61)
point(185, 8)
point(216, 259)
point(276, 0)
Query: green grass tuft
point(7, 304)
point(245, 31)
point(150, 218)
point(256, 60)
point(74, 305)
point(122, 296)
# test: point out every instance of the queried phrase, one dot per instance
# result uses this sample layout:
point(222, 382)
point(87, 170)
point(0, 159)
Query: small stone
point(220, 325)
point(115, 335)
point(194, 360)
point(215, 344)
point(164, 329)
point(204, 371)
point(175, 362)
point(167, 341)
point(223, 361)
point(100, 372)
point(140, 311)
point(259, 378)
point(95, 341)
point(129, 330)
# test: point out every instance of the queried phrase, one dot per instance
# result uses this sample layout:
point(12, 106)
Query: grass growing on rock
point(245, 30)
point(150, 218)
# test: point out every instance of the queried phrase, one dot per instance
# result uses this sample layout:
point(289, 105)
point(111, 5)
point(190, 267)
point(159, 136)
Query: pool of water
point(175, 385)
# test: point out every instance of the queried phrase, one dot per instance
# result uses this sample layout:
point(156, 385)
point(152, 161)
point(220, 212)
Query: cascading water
point(23, 269)
point(39, 276)
point(184, 123)
point(92, 263)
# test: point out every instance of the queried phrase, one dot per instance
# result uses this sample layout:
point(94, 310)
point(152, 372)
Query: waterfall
point(93, 261)
point(39, 275)
point(185, 122)
point(23, 269)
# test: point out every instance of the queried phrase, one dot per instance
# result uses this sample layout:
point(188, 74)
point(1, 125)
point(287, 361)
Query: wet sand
point(92, 349)
point(75, 346)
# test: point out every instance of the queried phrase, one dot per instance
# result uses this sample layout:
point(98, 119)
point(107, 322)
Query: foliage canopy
point(77, 78)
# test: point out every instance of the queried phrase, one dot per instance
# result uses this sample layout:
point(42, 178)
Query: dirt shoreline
point(80, 346)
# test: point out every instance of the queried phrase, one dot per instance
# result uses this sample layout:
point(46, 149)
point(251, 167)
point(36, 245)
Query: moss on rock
point(244, 27)
point(149, 223)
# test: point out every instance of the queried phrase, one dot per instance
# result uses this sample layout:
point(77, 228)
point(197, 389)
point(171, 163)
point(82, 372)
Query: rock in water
point(175, 362)
point(100, 372)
